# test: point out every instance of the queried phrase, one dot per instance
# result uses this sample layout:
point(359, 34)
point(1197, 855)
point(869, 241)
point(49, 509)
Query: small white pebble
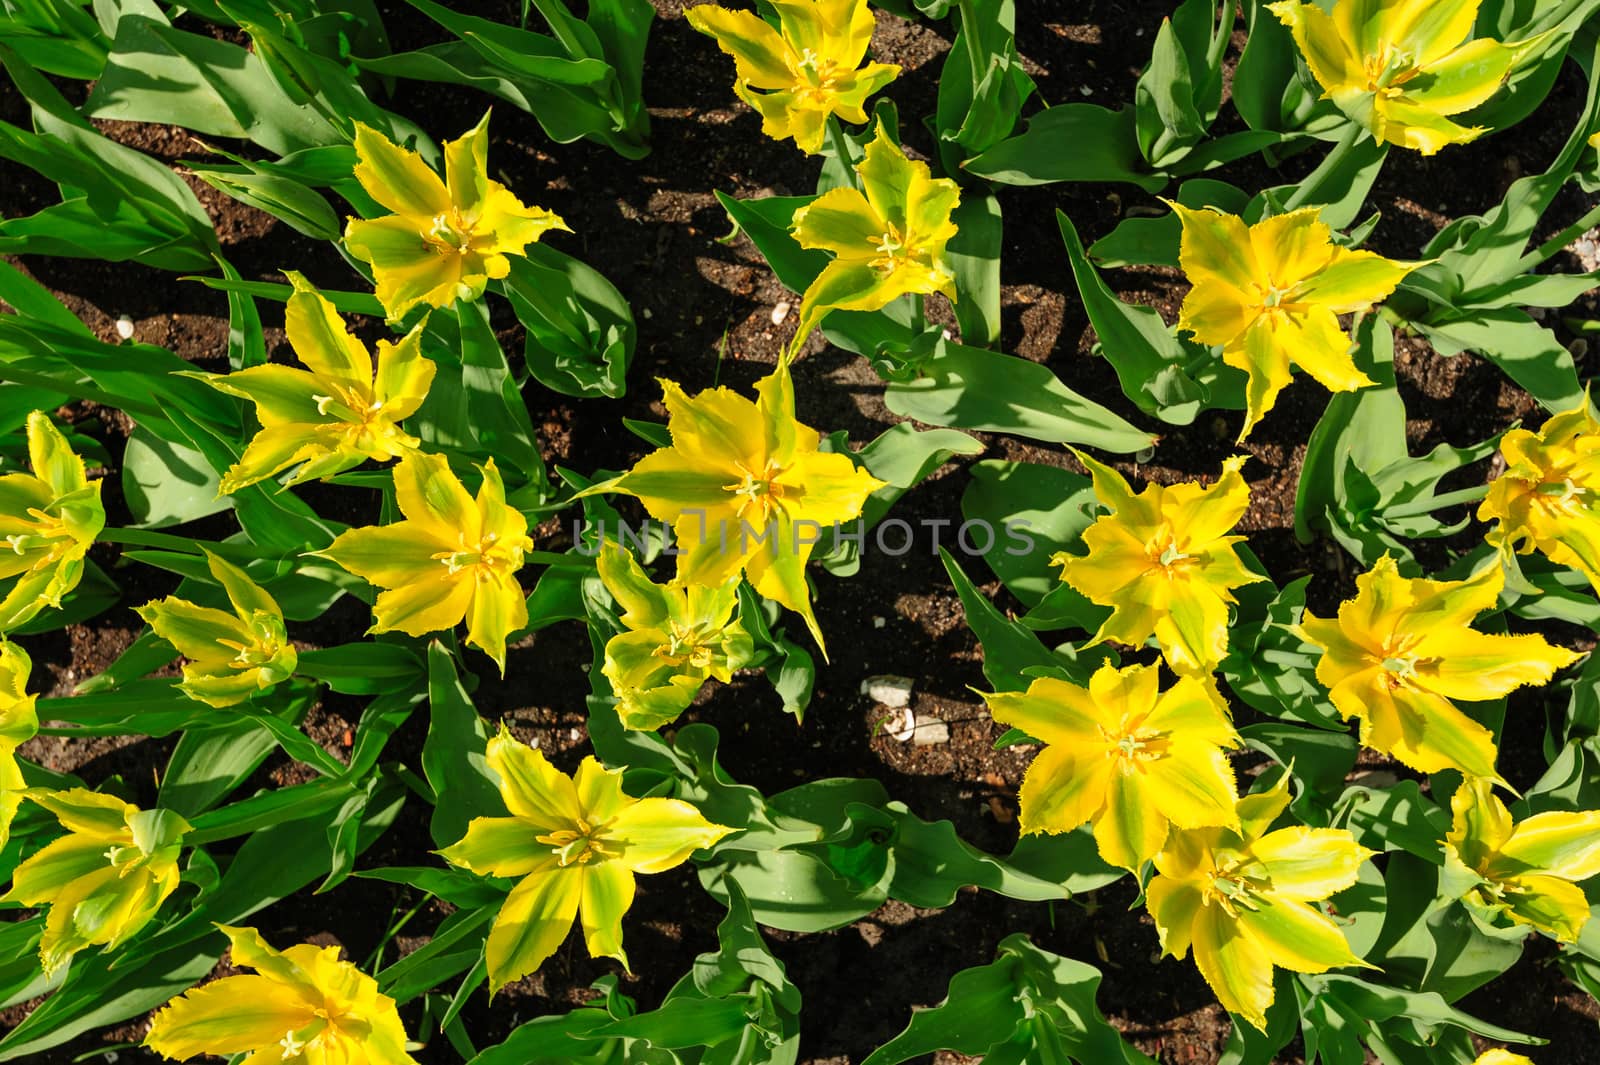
point(1084, 90)
point(947, 334)
point(879, 621)
point(780, 312)
point(573, 734)
point(648, 313)
point(125, 327)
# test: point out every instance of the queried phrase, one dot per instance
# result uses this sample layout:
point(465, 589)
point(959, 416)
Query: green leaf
point(167, 483)
point(1529, 353)
point(580, 329)
point(1070, 142)
point(985, 391)
point(974, 254)
point(1042, 510)
point(453, 756)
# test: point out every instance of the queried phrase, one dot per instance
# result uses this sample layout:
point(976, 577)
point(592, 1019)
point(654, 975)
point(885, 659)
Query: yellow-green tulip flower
point(105, 879)
point(887, 238)
point(746, 488)
point(48, 519)
point(1243, 900)
point(1162, 560)
point(807, 69)
point(1271, 295)
point(1403, 649)
point(1134, 760)
point(1548, 498)
point(337, 412)
point(679, 635)
point(1528, 872)
point(453, 557)
point(1401, 67)
point(575, 845)
point(230, 656)
point(446, 239)
point(301, 1006)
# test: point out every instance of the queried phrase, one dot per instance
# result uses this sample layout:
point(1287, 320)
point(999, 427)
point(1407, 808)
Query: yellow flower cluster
point(1149, 769)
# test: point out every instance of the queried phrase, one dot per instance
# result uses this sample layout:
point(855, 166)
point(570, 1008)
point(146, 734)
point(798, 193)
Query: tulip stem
point(1439, 502)
point(1312, 185)
point(841, 148)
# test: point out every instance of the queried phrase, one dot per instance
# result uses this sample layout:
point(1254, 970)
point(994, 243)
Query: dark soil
point(705, 314)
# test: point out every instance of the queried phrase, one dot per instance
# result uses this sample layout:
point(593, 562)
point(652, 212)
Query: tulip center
point(578, 845)
point(1136, 745)
point(821, 75)
point(319, 1033)
point(1565, 496)
point(264, 646)
point(689, 644)
point(1163, 551)
point(1231, 886)
point(759, 491)
point(1387, 70)
point(488, 559)
point(452, 232)
point(347, 404)
point(1401, 665)
point(49, 533)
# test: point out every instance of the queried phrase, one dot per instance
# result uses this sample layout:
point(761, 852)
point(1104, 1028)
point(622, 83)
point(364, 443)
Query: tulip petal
point(321, 340)
point(498, 846)
point(600, 791)
point(431, 605)
point(1235, 964)
point(530, 786)
point(466, 167)
point(1296, 936)
point(408, 270)
point(534, 921)
point(1566, 845)
point(1475, 667)
point(1055, 712)
point(1308, 864)
point(1321, 42)
point(658, 834)
point(499, 608)
point(1429, 30)
point(397, 177)
point(430, 494)
point(1131, 829)
point(1554, 906)
point(758, 51)
point(1320, 348)
point(841, 221)
point(1266, 361)
point(234, 1015)
point(45, 873)
point(1193, 786)
point(1353, 281)
point(1174, 905)
point(1480, 822)
point(1064, 788)
point(607, 895)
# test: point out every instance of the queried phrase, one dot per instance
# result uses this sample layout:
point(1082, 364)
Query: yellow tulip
point(105, 879)
point(575, 845)
point(745, 487)
point(1243, 900)
point(1271, 295)
point(48, 519)
point(1403, 649)
point(678, 636)
point(337, 412)
point(230, 656)
point(1548, 498)
point(446, 239)
point(1401, 67)
point(19, 723)
point(806, 70)
point(1527, 872)
point(302, 1005)
point(887, 238)
point(1162, 561)
point(453, 557)
point(1133, 760)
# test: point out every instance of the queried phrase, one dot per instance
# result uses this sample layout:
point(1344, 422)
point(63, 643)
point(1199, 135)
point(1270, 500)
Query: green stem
point(841, 148)
point(1312, 185)
point(1428, 506)
point(919, 317)
point(1559, 241)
